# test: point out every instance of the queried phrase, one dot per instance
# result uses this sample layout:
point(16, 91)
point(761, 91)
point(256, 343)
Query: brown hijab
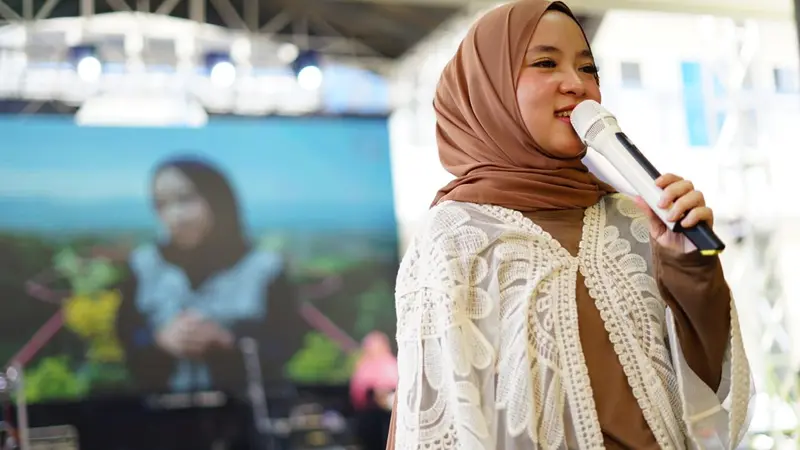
point(481, 137)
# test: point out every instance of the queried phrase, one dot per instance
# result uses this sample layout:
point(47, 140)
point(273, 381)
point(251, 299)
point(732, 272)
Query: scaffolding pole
point(757, 278)
point(797, 20)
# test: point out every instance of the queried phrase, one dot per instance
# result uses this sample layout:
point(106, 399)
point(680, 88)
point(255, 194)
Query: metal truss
point(245, 20)
point(756, 249)
point(765, 9)
point(34, 68)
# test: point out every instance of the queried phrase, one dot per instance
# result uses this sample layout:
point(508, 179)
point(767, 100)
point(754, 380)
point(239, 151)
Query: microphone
point(599, 130)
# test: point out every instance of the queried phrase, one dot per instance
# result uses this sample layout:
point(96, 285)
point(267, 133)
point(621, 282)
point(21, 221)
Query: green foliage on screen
point(89, 312)
point(372, 308)
point(321, 359)
point(86, 276)
point(51, 379)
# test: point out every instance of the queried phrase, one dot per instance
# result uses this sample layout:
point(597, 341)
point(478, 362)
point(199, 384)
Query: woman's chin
point(571, 151)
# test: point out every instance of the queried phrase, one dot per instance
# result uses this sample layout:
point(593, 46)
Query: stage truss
point(753, 266)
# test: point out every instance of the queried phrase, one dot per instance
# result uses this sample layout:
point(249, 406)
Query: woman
point(536, 307)
point(192, 297)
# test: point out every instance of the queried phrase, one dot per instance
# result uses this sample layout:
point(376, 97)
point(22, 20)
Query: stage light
point(222, 72)
point(87, 65)
point(89, 69)
point(241, 50)
point(288, 52)
point(310, 78)
point(306, 68)
point(134, 44)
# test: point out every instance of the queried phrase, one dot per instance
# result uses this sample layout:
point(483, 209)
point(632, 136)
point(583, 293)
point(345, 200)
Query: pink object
point(39, 339)
point(321, 322)
point(376, 369)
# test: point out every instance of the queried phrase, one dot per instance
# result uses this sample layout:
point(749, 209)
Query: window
point(786, 80)
point(631, 75)
point(694, 104)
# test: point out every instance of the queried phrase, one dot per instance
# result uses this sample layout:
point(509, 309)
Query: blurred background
point(306, 129)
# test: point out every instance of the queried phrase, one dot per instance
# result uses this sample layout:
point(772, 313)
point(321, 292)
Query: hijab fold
point(480, 133)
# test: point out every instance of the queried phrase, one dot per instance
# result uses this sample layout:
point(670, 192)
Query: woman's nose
point(573, 84)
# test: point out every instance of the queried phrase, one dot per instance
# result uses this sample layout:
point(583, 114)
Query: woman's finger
point(686, 203)
point(668, 178)
point(697, 215)
point(675, 191)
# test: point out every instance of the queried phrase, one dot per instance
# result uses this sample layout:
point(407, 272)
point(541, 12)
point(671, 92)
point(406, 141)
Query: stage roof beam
point(763, 9)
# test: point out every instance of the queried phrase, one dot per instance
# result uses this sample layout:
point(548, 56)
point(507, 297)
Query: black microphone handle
point(701, 235)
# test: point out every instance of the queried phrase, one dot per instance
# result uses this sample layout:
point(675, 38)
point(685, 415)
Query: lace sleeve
point(714, 420)
point(719, 419)
point(445, 362)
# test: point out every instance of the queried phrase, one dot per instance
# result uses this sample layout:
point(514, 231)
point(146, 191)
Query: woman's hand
point(190, 336)
point(685, 204)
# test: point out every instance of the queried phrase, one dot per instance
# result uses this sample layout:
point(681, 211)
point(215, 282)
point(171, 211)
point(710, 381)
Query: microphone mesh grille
point(590, 119)
point(598, 127)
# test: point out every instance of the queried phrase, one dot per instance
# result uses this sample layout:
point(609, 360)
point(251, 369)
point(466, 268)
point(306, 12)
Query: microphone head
point(590, 119)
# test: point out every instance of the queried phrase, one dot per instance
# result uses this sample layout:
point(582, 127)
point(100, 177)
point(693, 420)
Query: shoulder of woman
point(145, 258)
point(452, 222)
point(451, 235)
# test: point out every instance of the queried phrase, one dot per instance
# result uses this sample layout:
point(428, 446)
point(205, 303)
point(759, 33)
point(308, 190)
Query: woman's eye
point(592, 69)
point(546, 64)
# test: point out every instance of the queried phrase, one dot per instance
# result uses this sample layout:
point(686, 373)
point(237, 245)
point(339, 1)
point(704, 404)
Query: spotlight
point(222, 72)
point(87, 64)
point(241, 50)
point(310, 78)
point(287, 52)
point(306, 68)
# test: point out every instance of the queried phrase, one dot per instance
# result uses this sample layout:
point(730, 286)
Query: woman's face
point(181, 209)
point(558, 73)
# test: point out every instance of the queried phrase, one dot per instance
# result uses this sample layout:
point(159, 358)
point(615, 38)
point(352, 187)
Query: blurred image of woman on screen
point(194, 294)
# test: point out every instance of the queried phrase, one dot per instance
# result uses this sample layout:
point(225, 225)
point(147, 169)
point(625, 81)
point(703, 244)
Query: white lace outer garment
point(489, 351)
